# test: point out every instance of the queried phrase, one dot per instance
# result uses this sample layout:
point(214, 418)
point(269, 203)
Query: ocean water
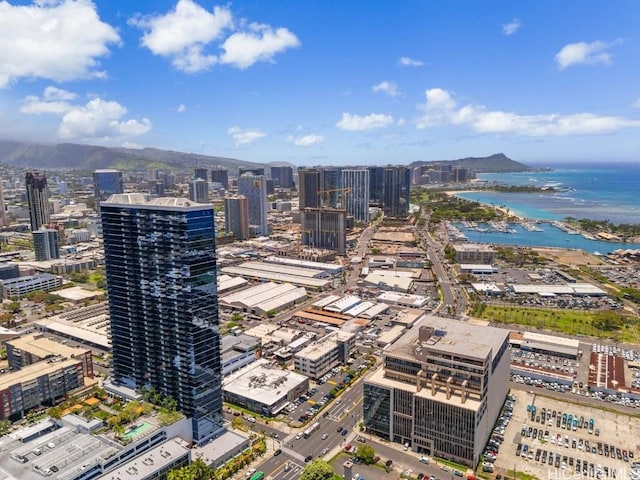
point(596, 192)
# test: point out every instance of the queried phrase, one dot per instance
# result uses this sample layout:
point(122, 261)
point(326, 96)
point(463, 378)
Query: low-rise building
point(264, 388)
point(322, 355)
point(236, 351)
point(18, 287)
point(473, 253)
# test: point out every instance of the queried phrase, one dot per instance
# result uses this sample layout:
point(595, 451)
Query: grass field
point(572, 322)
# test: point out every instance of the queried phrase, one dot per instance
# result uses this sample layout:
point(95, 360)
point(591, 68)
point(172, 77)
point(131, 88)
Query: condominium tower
point(254, 187)
point(356, 193)
point(236, 216)
point(38, 199)
point(160, 262)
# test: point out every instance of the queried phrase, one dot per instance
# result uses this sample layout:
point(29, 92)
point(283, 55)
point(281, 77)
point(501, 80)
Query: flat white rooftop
point(263, 382)
point(345, 303)
point(280, 277)
point(403, 299)
point(568, 289)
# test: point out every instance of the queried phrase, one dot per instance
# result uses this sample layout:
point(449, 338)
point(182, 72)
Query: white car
point(251, 472)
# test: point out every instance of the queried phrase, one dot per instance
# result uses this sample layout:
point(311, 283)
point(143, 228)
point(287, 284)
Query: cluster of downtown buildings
point(442, 384)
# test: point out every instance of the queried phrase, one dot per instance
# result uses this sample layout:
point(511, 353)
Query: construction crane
point(328, 193)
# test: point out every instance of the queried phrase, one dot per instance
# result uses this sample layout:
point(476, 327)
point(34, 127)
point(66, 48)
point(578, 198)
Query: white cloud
point(441, 109)
point(410, 62)
point(243, 137)
point(306, 140)
point(97, 120)
point(58, 40)
point(259, 44)
point(367, 122)
point(512, 27)
point(593, 53)
point(181, 108)
point(636, 104)
point(183, 33)
point(400, 122)
point(389, 88)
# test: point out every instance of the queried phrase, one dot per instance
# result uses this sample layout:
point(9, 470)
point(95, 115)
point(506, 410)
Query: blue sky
point(327, 82)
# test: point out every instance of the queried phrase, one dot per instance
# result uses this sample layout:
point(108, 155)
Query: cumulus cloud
point(58, 40)
point(368, 122)
point(582, 53)
point(306, 140)
point(189, 33)
point(97, 120)
point(258, 44)
point(410, 62)
point(389, 88)
point(636, 104)
point(441, 109)
point(183, 33)
point(181, 108)
point(244, 137)
point(512, 27)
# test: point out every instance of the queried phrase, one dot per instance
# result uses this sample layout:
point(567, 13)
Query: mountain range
point(90, 157)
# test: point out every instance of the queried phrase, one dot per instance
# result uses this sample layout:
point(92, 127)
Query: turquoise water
point(610, 192)
point(597, 192)
point(549, 237)
point(141, 428)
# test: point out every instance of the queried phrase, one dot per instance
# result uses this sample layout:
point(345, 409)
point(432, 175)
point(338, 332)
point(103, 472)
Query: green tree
point(13, 307)
point(5, 426)
point(197, 470)
point(236, 317)
point(317, 470)
point(238, 423)
point(366, 454)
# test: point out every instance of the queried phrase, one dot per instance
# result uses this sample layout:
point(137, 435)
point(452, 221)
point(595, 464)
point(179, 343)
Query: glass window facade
point(377, 410)
point(161, 278)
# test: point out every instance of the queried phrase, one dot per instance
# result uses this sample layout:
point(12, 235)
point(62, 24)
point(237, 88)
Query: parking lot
point(548, 438)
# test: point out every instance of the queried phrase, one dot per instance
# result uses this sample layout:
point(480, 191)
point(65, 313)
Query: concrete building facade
point(325, 228)
point(236, 216)
point(356, 185)
point(441, 389)
point(254, 188)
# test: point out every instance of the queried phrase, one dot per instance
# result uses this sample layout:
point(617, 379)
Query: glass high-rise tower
point(160, 259)
point(38, 198)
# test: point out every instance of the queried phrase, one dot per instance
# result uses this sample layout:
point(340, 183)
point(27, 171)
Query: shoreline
point(519, 217)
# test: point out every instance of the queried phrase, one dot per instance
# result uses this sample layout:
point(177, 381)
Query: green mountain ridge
point(496, 163)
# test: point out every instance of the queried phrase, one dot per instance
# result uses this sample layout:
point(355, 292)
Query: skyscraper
point(325, 228)
point(201, 173)
point(46, 244)
point(236, 216)
point(38, 198)
point(396, 196)
point(106, 182)
point(254, 187)
point(308, 188)
point(282, 176)
point(252, 171)
point(376, 186)
point(4, 220)
point(356, 193)
point(199, 191)
point(220, 175)
point(160, 259)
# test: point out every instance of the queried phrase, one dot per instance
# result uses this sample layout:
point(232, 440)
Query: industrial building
point(403, 299)
point(278, 273)
point(88, 325)
point(441, 389)
point(574, 289)
point(238, 351)
point(263, 388)
point(322, 355)
point(545, 344)
point(265, 298)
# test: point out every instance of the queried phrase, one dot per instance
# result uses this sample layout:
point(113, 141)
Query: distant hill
point(496, 163)
point(89, 157)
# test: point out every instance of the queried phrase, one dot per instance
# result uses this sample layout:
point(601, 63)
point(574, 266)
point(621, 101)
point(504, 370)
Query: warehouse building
point(441, 388)
point(263, 388)
point(265, 298)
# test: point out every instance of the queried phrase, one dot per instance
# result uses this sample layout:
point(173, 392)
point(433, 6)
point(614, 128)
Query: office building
point(106, 183)
point(38, 198)
point(236, 216)
point(356, 193)
point(321, 356)
point(254, 187)
point(158, 189)
point(201, 173)
point(282, 177)
point(199, 191)
point(160, 262)
point(473, 253)
point(441, 388)
point(325, 228)
point(309, 185)
point(220, 175)
point(18, 287)
point(4, 220)
point(396, 196)
point(46, 243)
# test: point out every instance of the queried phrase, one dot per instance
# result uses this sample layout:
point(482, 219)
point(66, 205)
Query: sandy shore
point(506, 211)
